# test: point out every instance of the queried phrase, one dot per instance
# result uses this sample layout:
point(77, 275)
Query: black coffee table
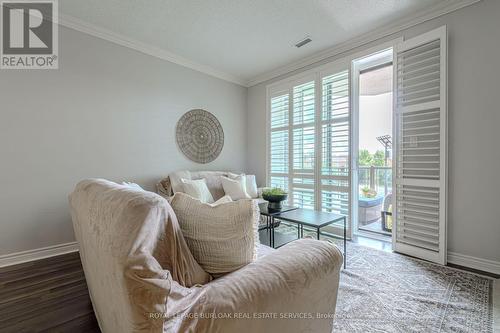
point(270, 223)
point(306, 217)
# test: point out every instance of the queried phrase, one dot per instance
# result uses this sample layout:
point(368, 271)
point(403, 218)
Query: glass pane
point(335, 149)
point(335, 164)
point(335, 96)
point(303, 103)
point(279, 111)
point(279, 182)
point(375, 145)
point(279, 151)
point(303, 150)
point(335, 201)
point(303, 197)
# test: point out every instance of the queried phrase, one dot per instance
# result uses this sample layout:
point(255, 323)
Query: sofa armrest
point(299, 279)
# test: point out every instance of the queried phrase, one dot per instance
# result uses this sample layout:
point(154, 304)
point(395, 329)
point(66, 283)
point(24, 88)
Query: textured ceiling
point(244, 38)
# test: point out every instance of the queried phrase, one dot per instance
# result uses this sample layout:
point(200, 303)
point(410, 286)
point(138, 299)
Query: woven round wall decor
point(199, 136)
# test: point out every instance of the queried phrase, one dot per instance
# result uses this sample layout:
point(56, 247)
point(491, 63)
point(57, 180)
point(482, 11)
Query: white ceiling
point(242, 38)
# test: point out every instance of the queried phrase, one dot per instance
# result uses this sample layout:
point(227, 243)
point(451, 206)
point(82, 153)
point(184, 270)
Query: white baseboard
point(36, 254)
point(484, 265)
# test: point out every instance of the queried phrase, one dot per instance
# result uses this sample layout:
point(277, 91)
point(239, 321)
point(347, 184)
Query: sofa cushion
point(235, 187)
point(198, 189)
point(176, 180)
point(173, 183)
point(214, 183)
point(252, 186)
point(222, 238)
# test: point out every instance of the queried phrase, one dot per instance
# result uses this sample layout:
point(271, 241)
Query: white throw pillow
point(223, 237)
point(251, 184)
point(197, 189)
point(236, 187)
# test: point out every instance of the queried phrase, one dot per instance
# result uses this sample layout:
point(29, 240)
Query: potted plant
point(368, 192)
point(275, 196)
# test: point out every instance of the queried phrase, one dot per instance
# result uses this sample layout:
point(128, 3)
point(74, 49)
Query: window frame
point(286, 87)
point(316, 74)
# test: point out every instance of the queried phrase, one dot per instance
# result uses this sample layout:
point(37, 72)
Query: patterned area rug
point(388, 292)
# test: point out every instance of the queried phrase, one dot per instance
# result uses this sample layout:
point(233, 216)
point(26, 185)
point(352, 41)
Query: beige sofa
point(171, 184)
point(143, 278)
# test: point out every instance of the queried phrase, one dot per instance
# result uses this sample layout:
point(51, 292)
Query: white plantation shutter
point(279, 143)
point(420, 146)
point(310, 139)
point(334, 174)
point(303, 143)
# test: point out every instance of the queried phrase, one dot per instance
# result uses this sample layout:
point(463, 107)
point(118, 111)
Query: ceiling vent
point(303, 42)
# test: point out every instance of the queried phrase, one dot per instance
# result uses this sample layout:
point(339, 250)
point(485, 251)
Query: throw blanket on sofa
point(130, 240)
point(143, 278)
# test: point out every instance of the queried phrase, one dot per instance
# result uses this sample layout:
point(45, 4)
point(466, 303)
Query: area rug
point(388, 292)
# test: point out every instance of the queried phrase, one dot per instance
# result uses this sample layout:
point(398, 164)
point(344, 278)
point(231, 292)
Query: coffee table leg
point(317, 233)
point(301, 231)
point(298, 230)
point(272, 231)
point(269, 226)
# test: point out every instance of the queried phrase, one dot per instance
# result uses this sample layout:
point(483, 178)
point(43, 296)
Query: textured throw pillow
point(222, 237)
point(197, 189)
point(236, 187)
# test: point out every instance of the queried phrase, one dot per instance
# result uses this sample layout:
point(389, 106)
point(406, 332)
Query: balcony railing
point(378, 178)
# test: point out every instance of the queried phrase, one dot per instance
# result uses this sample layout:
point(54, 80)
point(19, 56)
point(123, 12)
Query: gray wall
point(108, 112)
point(474, 119)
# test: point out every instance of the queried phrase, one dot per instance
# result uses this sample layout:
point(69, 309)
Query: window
point(279, 141)
point(303, 154)
point(309, 153)
point(313, 139)
point(335, 143)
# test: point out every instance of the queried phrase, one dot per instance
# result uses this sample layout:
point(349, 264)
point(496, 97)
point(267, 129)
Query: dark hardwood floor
point(51, 295)
point(47, 295)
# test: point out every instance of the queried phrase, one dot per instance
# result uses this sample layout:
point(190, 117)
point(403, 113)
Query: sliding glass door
point(372, 144)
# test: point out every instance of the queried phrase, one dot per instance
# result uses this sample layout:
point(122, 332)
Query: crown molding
point(440, 9)
point(108, 35)
point(37, 254)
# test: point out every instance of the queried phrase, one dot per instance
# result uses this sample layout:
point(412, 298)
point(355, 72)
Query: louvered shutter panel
point(335, 143)
point(303, 145)
point(279, 143)
point(420, 146)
